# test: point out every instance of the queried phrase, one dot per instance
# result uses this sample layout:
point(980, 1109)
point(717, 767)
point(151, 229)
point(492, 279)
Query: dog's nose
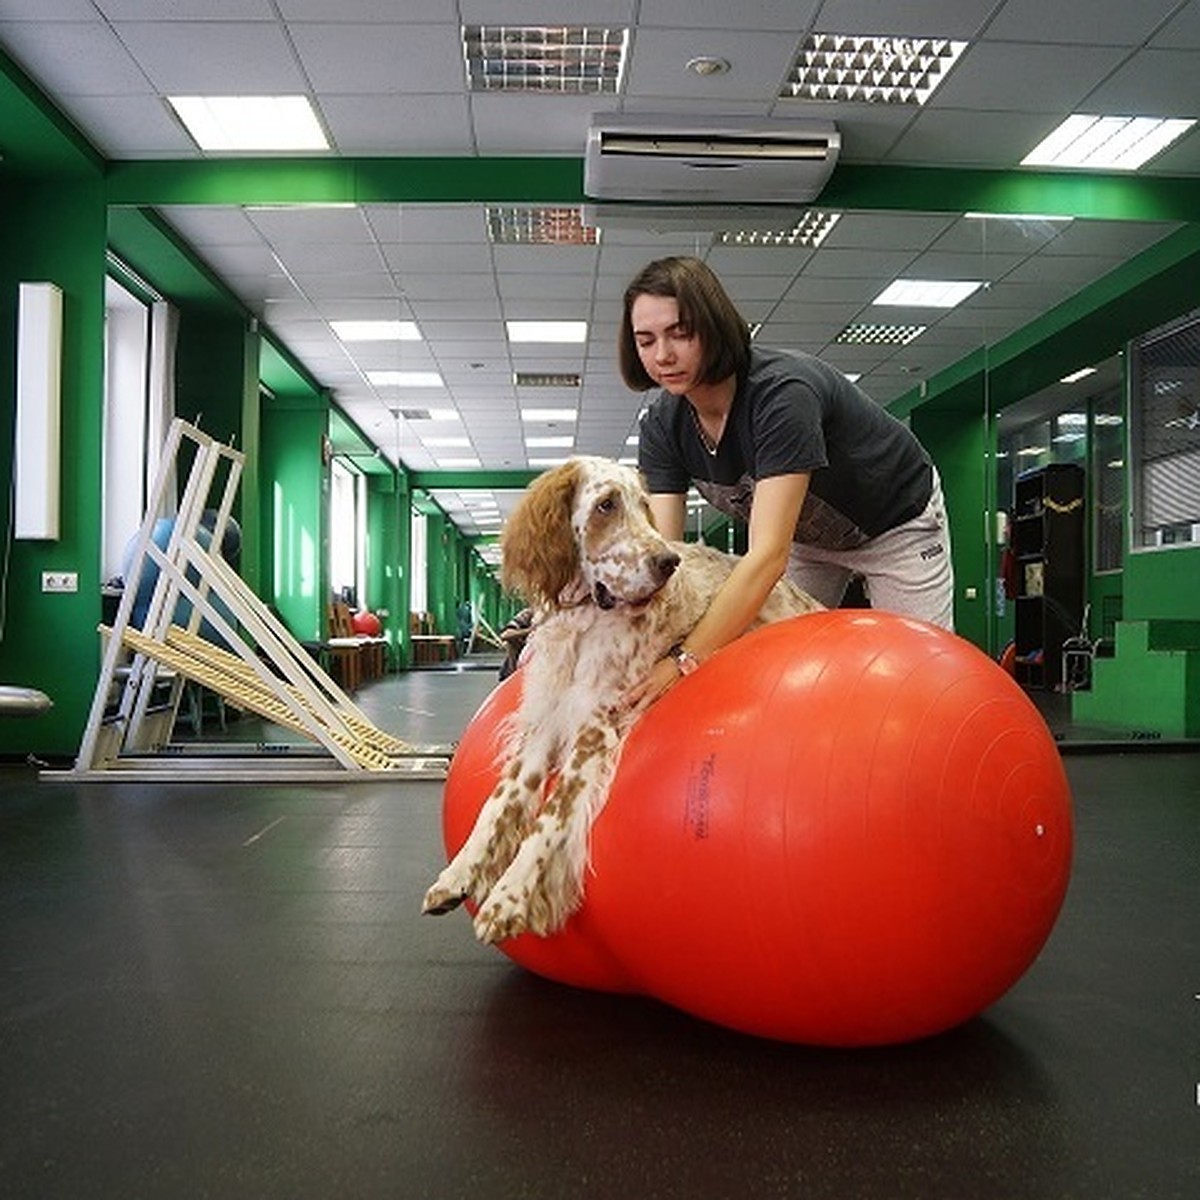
point(665, 564)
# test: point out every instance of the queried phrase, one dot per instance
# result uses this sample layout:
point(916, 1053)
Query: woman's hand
point(663, 676)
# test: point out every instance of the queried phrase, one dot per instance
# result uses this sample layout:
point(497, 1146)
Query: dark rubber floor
point(227, 991)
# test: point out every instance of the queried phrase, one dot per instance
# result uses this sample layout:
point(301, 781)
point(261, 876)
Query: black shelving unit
point(1048, 544)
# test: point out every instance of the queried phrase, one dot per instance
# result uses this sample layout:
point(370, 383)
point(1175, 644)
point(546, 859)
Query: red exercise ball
point(574, 954)
point(849, 828)
point(366, 624)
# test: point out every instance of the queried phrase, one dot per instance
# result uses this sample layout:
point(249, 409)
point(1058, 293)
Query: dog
point(612, 597)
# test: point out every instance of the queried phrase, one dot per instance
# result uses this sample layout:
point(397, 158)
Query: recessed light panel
point(376, 331)
point(878, 70)
point(547, 379)
point(285, 123)
point(880, 335)
point(1087, 142)
point(927, 293)
point(547, 331)
point(528, 226)
point(810, 231)
point(548, 414)
point(577, 59)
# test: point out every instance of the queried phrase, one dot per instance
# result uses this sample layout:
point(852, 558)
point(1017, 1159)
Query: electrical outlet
point(60, 581)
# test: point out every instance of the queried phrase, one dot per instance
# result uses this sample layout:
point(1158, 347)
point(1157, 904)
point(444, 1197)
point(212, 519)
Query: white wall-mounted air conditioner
point(708, 159)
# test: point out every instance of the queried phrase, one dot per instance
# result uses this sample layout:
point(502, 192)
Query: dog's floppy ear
point(539, 558)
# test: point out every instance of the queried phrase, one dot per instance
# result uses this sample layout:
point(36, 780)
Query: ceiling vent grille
point(546, 379)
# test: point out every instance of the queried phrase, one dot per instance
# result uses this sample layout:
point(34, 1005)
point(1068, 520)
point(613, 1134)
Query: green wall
point(1162, 584)
point(294, 512)
point(53, 230)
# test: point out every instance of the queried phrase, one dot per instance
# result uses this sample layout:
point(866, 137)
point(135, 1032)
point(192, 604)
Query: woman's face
point(671, 354)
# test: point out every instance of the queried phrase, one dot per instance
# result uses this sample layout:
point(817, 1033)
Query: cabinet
point(1048, 544)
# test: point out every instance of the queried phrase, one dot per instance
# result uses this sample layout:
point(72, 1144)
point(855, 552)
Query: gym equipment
point(847, 829)
point(231, 643)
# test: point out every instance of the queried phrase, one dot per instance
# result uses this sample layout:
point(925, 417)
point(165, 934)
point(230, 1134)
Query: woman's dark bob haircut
point(704, 309)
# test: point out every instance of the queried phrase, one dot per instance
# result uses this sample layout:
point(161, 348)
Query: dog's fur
point(613, 597)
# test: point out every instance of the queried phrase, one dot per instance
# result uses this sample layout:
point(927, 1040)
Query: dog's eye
point(606, 505)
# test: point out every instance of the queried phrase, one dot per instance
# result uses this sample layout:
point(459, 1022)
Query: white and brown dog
point(613, 597)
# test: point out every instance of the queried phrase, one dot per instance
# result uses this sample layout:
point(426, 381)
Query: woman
point(829, 484)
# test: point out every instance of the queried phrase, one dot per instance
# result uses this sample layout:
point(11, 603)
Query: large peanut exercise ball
point(573, 955)
point(847, 829)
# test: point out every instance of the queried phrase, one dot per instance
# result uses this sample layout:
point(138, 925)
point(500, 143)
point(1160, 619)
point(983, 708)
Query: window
point(1165, 436)
point(347, 533)
point(1108, 480)
point(419, 556)
point(126, 365)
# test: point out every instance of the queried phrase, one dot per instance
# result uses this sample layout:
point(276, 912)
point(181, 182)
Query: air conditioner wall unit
point(708, 159)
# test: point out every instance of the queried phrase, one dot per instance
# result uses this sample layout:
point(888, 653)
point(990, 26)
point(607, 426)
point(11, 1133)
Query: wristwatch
point(685, 660)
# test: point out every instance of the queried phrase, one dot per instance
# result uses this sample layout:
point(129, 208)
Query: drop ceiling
point(388, 80)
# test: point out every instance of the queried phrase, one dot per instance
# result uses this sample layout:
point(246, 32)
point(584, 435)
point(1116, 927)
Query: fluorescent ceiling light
point(880, 335)
point(445, 443)
point(376, 331)
point(853, 376)
point(576, 59)
point(928, 293)
point(458, 462)
point(547, 462)
point(810, 231)
point(1098, 143)
point(987, 216)
point(546, 331)
point(250, 122)
point(548, 414)
point(409, 379)
point(632, 440)
point(527, 226)
point(548, 443)
point(879, 70)
point(1076, 376)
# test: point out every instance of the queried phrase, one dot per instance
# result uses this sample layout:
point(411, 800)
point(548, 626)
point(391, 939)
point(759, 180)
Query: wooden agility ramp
point(230, 643)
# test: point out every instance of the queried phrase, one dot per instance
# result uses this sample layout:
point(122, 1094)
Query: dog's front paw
point(440, 900)
point(500, 918)
point(454, 885)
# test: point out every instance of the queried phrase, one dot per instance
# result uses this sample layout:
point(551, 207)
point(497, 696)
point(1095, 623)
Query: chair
point(343, 648)
point(1078, 654)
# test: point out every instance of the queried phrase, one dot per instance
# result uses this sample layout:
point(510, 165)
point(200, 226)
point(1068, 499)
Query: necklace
point(709, 445)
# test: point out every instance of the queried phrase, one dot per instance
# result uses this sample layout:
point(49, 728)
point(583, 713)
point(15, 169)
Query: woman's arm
point(773, 516)
point(669, 512)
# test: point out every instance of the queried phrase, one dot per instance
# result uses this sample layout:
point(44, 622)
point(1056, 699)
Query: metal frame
point(266, 670)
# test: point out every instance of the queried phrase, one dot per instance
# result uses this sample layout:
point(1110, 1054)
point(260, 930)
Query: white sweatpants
point(907, 570)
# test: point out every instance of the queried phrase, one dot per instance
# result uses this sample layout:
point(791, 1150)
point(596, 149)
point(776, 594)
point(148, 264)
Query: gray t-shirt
point(795, 413)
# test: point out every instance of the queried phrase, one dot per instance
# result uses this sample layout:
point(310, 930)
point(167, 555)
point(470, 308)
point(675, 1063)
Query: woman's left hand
point(663, 676)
